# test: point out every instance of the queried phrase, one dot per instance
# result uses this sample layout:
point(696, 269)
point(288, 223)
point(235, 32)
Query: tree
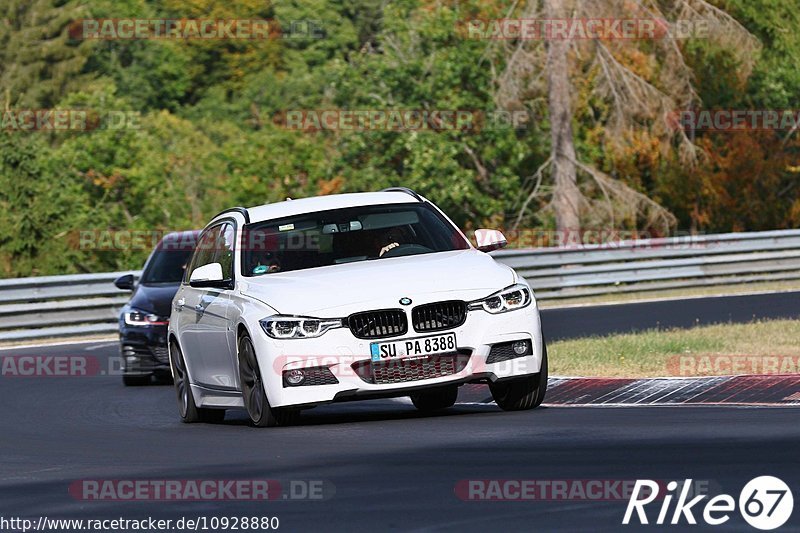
point(566, 195)
point(419, 61)
point(38, 60)
point(637, 84)
point(39, 208)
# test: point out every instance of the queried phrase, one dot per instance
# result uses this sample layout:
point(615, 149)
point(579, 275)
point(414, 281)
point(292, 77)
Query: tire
point(187, 409)
point(523, 393)
point(254, 394)
point(435, 400)
point(136, 381)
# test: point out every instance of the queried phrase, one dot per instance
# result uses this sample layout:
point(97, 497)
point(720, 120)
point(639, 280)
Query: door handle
point(199, 308)
point(179, 304)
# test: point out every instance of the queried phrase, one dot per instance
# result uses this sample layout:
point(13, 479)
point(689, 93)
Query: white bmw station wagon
point(299, 303)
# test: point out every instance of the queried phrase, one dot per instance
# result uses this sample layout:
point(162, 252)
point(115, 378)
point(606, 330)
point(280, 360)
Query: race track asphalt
point(391, 468)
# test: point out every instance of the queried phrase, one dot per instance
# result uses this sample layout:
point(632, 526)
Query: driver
point(393, 238)
point(266, 264)
point(388, 247)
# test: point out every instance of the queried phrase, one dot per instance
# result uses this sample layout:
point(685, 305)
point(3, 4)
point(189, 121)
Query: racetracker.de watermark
point(597, 239)
point(361, 366)
point(734, 120)
point(727, 365)
point(167, 490)
point(46, 120)
point(130, 239)
point(559, 489)
point(571, 29)
point(58, 366)
point(471, 120)
point(194, 29)
point(270, 239)
point(250, 240)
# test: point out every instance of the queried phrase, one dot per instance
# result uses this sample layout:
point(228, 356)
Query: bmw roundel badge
point(405, 301)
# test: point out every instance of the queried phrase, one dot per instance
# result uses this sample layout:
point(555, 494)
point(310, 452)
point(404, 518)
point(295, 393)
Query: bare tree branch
point(538, 175)
point(644, 84)
point(632, 203)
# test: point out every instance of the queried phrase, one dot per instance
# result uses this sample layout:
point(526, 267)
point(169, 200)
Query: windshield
point(166, 265)
point(346, 235)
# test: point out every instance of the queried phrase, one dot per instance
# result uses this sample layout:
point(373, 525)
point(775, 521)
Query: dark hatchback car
point(144, 319)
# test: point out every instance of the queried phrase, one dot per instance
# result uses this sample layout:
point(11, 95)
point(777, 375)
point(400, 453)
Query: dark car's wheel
point(436, 399)
point(254, 394)
point(522, 393)
point(186, 407)
point(136, 381)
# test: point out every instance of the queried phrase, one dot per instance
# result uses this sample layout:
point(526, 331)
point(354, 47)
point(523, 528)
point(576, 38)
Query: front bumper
point(143, 350)
point(343, 354)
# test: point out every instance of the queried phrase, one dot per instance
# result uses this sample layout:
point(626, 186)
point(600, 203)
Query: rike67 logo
point(765, 503)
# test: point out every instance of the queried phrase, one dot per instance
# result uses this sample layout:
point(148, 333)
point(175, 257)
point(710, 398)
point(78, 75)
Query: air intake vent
point(439, 316)
point(505, 351)
point(378, 324)
point(411, 368)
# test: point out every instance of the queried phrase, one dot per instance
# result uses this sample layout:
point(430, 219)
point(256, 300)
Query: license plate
point(433, 345)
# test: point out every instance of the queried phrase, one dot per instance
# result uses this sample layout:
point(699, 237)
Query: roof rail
point(405, 190)
point(241, 210)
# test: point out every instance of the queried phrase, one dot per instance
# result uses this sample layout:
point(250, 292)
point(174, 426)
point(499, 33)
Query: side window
point(205, 250)
point(224, 250)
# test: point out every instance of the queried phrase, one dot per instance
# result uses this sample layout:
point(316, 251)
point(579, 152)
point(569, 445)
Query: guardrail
point(60, 306)
point(88, 304)
point(658, 264)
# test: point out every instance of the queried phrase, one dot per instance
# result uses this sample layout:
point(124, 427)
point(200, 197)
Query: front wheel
point(254, 394)
point(522, 394)
point(188, 410)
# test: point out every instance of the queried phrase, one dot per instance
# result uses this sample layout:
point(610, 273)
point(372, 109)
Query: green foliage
point(776, 78)
point(209, 131)
point(39, 208)
point(38, 60)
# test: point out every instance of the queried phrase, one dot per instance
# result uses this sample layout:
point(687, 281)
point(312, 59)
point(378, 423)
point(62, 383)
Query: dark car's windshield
point(346, 235)
point(166, 265)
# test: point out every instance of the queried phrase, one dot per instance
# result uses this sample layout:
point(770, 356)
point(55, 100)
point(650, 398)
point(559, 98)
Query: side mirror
point(208, 276)
point(125, 282)
point(490, 239)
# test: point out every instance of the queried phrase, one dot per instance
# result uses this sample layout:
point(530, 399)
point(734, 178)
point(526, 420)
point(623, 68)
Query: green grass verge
point(758, 347)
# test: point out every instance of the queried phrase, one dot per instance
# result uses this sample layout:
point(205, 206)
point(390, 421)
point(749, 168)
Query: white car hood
point(339, 290)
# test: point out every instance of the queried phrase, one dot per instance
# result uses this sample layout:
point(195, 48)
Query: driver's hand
point(387, 248)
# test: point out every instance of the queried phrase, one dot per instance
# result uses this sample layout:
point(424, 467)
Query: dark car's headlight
point(294, 327)
point(137, 317)
point(509, 299)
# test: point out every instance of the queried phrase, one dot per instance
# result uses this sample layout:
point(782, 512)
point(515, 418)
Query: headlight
point(295, 327)
point(137, 317)
point(511, 298)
